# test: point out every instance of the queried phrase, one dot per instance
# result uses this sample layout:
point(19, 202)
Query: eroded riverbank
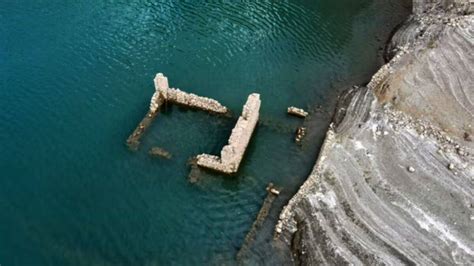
point(393, 182)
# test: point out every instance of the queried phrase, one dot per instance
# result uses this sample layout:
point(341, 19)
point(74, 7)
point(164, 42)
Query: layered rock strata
point(394, 181)
point(232, 154)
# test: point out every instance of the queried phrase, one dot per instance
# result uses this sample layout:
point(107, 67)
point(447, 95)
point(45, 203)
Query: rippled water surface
point(76, 78)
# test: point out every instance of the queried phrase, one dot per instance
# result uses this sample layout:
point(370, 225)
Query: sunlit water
point(76, 78)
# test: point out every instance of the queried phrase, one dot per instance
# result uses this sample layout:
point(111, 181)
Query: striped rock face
point(394, 182)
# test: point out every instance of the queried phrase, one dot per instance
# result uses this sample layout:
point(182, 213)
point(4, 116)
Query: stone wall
point(232, 154)
point(192, 100)
point(165, 93)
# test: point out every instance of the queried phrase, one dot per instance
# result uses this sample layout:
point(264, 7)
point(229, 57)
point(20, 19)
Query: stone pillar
point(161, 85)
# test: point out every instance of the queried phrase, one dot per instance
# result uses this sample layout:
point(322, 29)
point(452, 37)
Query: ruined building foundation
point(232, 154)
point(163, 93)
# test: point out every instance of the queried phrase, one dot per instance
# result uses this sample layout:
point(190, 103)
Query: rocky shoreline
point(394, 181)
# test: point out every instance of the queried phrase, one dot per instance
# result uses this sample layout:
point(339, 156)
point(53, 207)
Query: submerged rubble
point(195, 172)
point(272, 194)
point(232, 154)
point(160, 152)
point(297, 112)
point(133, 140)
point(300, 134)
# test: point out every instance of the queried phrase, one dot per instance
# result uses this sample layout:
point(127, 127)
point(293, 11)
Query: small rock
point(157, 151)
point(300, 133)
point(195, 173)
point(467, 137)
point(450, 166)
point(297, 111)
point(274, 191)
point(411, 169)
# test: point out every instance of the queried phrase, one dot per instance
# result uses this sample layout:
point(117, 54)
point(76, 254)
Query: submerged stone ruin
point(300, 134)
point(232, 154)
point(133, 140)
point(297, 112)
point(167, 94)
point(159, 152)
point(164, 94)
point(272, 194)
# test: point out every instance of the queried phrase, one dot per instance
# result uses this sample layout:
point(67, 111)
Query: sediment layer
point(394, 181)
point(232, 154)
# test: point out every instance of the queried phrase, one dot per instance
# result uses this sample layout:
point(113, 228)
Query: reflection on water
point(76, 77)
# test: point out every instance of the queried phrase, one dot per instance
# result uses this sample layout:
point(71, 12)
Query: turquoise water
point(76, 78)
